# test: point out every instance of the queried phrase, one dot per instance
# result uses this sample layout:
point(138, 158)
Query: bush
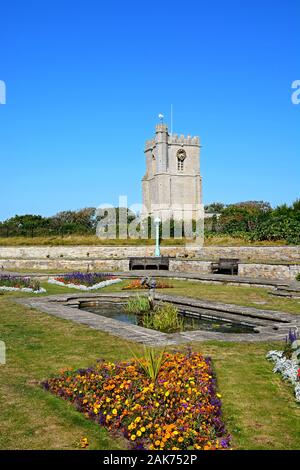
point(278, 228)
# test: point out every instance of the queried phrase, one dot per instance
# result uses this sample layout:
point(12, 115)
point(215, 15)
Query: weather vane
point(161, 117)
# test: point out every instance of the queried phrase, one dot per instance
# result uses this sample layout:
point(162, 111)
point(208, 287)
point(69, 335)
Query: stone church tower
point(172, 185)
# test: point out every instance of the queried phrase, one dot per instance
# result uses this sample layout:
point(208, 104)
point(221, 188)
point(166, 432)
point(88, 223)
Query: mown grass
point(259, 408)
point(90, 240)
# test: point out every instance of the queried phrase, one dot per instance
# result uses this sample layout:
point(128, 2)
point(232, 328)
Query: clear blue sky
point(86, 79)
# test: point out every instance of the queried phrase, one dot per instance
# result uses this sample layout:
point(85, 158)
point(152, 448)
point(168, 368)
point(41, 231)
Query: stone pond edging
point(66, 307)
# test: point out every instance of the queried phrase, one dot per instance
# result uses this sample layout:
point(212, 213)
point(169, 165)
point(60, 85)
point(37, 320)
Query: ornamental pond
point(203, 319)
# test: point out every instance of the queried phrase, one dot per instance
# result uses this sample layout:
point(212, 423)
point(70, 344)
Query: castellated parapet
point(172, 185)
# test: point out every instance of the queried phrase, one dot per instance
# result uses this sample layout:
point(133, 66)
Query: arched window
point(181, 156)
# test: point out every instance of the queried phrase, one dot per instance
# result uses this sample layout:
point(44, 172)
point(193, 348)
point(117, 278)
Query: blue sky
point(86, 81)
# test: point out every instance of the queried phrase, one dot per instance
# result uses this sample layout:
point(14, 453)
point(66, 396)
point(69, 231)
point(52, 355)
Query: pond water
point(203, 321)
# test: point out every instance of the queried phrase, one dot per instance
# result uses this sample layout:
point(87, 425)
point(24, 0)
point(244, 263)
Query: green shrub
point(164, 318)
point(277, 228)
point(298, 277)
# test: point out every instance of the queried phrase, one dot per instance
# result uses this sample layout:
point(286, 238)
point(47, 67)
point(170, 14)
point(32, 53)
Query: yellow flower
point(114, 411)
point(167, 394)
point(219, 395)
point(180, 439)
point(138, 419)
point(157, 443)
point(133, 437)
point(138, 433)
point(143, 429)
point(84, 442)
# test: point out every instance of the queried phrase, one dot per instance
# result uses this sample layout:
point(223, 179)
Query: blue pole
point(157, 249)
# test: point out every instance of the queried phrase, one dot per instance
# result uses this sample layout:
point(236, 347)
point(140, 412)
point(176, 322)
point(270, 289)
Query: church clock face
point(181, 155)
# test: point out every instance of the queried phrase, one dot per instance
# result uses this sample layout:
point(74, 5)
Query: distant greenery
point(251, 221)
point(255, 221)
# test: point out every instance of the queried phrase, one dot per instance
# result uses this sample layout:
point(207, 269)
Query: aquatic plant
point(137, 304)
point(164, 318)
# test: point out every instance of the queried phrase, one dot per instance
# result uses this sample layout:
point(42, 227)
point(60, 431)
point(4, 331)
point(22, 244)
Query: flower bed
point(23, 284)
point(180, 410)
point(137, 284)
point(85, 281)
point(287, 362)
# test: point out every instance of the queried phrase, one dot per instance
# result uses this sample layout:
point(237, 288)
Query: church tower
point(172, 185)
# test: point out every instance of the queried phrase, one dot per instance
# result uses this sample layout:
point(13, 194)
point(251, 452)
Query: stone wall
point(66, 264)
point(254, 270)
point(82, 252)
point(113, 258)
point(203, 267)
point(269, 271)
point(244, 253)
point(252, 253)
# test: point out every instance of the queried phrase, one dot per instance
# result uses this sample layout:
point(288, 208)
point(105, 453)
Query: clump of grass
point(151, 362)
point(137, 304)
point(164, 318)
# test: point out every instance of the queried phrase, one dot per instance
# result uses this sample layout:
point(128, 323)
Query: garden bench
point(225, 266)
point(149, 263)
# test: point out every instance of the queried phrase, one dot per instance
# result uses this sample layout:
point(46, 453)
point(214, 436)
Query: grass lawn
point(259, 408)
point(75, 240)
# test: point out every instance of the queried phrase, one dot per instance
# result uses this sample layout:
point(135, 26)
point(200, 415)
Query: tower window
point(180, 165)
point(181, 156)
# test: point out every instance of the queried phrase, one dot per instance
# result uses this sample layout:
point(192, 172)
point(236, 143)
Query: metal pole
point(157, 249)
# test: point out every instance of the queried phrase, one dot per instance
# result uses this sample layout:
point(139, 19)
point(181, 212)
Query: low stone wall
point(269, 271)
point(203, 267)
point(115, 258)
point(265, 271)
point(254, 270)
point(66, 264)
point(244, 253)
point(83, 252)
point(252, 253)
